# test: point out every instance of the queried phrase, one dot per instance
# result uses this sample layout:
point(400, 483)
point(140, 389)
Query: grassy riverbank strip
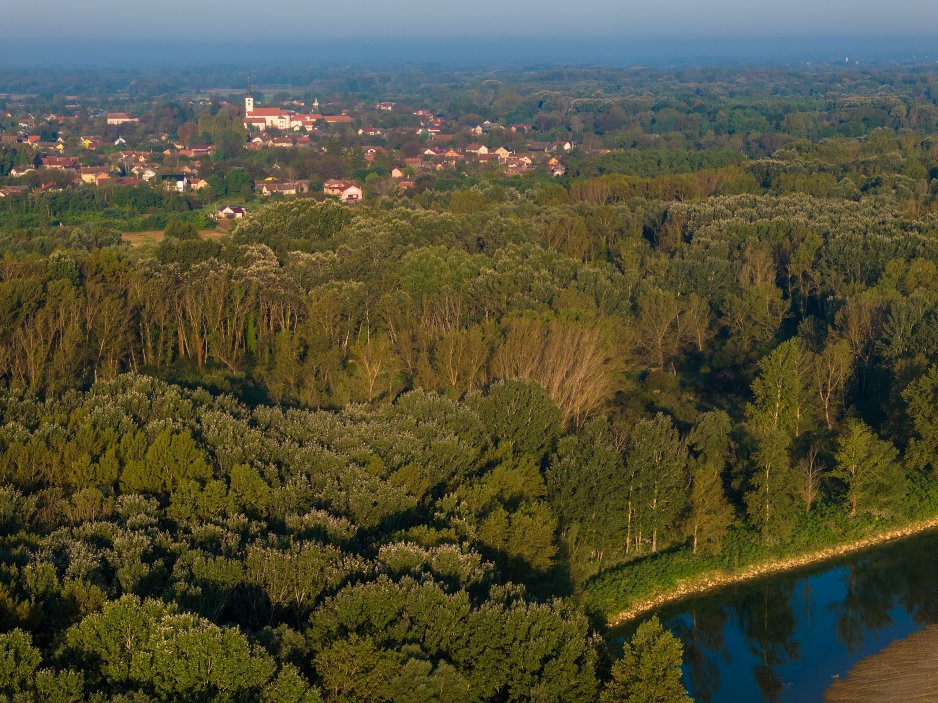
point(631, 590)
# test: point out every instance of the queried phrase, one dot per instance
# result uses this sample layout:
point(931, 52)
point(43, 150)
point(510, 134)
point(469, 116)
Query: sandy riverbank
point(904, 672)
point(714, 580)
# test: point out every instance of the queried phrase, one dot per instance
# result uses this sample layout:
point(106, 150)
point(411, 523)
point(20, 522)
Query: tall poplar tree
point(658, 459)
point(710, 511)
point(776, 416)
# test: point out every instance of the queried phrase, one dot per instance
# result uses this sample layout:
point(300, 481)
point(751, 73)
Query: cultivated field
point(139, 239)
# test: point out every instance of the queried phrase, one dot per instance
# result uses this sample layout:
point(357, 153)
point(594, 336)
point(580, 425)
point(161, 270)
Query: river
point(788, 637)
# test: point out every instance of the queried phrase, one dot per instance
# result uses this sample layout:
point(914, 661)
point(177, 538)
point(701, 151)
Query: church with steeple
point(264, 118)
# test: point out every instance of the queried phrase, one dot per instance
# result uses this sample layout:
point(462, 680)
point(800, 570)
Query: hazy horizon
point(465, 51)
point(290, 20)
point(177, 32)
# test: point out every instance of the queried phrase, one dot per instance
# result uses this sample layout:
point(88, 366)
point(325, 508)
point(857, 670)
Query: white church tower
point(248, 101)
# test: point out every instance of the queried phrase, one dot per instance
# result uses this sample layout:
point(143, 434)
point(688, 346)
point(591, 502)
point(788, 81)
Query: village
point(350, 154)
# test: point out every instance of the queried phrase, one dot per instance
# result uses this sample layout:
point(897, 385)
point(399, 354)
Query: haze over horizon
point(426, 19)
point(176, 32)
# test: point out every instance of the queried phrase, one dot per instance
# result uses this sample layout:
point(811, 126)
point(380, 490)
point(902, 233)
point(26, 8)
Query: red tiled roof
point(268, 112)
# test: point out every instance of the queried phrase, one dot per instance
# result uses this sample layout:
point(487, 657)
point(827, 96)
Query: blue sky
point(292, 20)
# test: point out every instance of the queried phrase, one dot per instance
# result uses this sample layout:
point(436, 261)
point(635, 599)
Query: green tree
point(589, 489)
point(179, 228)
point(658, 459)
point(868, 467)
point(710, 512)
point(520, 413)
point(18, 663)
point(649, 670)
point(921, 397)
point(774, 418)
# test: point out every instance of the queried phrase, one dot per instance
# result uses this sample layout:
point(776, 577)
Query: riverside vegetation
point(422, 449)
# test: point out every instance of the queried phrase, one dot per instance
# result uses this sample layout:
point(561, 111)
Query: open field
point(139, 239)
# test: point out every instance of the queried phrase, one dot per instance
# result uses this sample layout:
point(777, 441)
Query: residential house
point(476, 149)
point(119, 118)
point(271, 186)
point(174, 181)
point(371, 152)
point(231, 212)
point(63, 163)
point(346, 191)
point(145, 172)
point(338, 119)
point(307, 122)
point(94, 175)
point(138, 156)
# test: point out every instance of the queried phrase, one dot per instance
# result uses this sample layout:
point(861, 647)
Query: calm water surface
point(786, 638)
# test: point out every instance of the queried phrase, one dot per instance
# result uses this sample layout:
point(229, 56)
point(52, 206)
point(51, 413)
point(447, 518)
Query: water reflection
point(785, 639)
point(768, 623)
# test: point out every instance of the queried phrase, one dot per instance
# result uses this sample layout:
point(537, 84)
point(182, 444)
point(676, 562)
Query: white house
point(347, 191)
point(352, 194)
point(231, 212)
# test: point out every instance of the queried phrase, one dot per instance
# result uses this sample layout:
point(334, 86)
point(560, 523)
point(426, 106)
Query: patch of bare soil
point(138, 239)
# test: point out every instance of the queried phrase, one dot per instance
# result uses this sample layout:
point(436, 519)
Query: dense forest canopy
point(420, 449)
